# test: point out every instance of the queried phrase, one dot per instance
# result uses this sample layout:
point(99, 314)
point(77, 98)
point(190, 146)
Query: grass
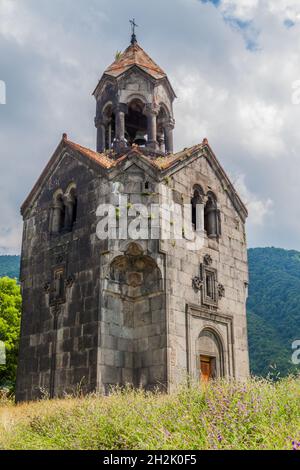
point(258, 414)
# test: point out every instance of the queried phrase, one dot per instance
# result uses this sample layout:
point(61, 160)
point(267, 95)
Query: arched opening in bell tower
point(110, 126)
point(136, 127)
point(161, 124)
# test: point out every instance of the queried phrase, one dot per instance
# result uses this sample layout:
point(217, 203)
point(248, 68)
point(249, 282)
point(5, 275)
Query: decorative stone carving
point(135, 279)
point(207, 283)
point(47, 287)
point(134, 250)
point(56, 311)
point(221, 291)
point(135, 270)
point(59, 259)
point(208, 260)
point(197, 283)
point(70, 281)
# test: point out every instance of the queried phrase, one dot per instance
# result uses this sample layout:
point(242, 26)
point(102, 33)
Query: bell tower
point(143, 295)
point(134, 104)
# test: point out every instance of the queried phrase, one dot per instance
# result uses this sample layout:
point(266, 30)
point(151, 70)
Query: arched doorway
point(210, 355)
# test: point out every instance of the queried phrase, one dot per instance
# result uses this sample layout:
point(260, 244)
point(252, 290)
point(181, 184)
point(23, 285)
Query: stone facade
point(146, 312)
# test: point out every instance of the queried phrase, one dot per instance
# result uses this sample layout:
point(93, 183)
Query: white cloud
point(10, 226)
point(258, 209)
point(241, 9)
point(10, 28)
point(287, 9)
point(248, 10)
point(262, 125)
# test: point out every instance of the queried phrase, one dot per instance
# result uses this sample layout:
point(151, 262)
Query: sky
point(234, 65)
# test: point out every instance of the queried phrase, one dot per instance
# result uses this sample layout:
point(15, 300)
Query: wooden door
point(205, 368)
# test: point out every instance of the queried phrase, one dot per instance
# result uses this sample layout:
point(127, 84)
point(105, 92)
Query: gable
point(180, 161)
point(69, 170)
point(64, 163)
point(134, 162)
point(135, 79)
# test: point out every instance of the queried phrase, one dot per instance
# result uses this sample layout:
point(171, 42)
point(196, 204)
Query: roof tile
point(100, 158)
point(135, 55)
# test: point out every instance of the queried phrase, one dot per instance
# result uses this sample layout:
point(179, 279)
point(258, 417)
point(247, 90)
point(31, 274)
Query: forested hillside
point(10, 266)
point(273, 306)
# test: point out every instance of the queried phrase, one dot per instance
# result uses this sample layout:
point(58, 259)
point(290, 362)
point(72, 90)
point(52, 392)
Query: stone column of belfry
point(168, 129)
point(100, 135)
point(120, 127)
point(151, 112)
point(109, 136)
point(161, 141)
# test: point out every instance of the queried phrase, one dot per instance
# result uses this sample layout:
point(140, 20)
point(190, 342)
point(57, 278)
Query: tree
point(10, 316)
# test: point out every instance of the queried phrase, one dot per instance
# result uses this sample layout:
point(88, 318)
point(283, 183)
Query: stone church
point(115, 311)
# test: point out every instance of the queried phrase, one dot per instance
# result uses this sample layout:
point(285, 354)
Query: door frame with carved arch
point(222, 325)
point(215, 359)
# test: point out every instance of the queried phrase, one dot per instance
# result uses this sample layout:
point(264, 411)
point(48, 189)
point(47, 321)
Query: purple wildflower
point(296, 445)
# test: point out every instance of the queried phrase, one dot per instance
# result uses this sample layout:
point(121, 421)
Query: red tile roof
point(163, 163)
point(135, 55)
point(160, 162)
point(101, 158)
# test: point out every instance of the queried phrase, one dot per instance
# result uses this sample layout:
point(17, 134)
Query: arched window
point(197, 208)
point(136, 126)
point(70, 201)
point(212, 219)
point(110, 126)
point(58, 213)
point(64, 210)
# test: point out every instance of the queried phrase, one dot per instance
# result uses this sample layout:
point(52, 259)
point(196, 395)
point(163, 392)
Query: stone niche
point(134, 322)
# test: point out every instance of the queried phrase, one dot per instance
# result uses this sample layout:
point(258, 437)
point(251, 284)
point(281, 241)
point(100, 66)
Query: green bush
point(10, 313)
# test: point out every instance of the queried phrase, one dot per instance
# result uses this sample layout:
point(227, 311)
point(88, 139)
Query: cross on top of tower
point(133, 26)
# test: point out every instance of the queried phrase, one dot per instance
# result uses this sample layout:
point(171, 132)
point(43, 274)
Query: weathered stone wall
point(133, 319)
point(58, 347)
point(187, 316)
